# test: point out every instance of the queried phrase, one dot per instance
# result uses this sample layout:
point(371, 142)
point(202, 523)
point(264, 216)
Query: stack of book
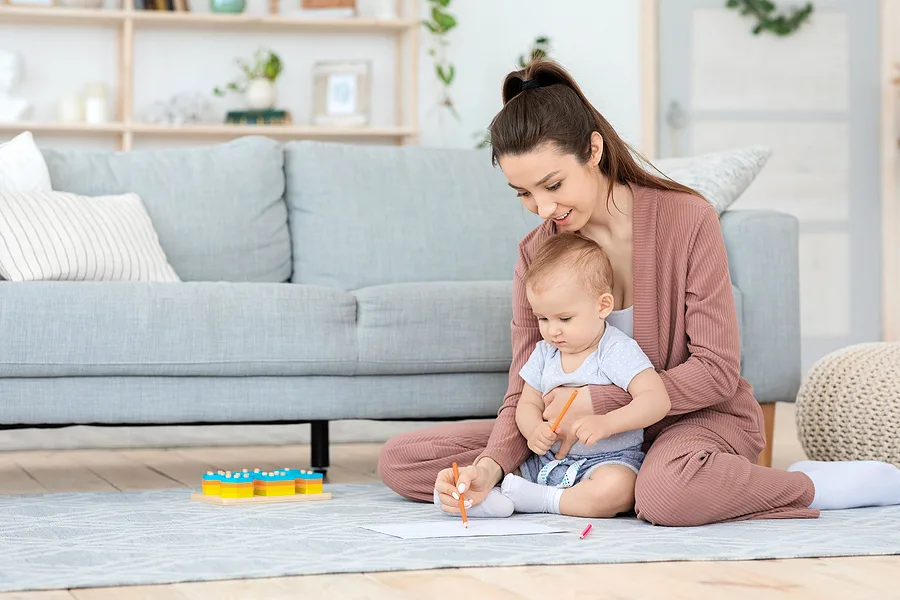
point(258, 117)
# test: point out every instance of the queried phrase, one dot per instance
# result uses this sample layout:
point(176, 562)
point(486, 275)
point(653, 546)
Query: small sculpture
point(12, 108)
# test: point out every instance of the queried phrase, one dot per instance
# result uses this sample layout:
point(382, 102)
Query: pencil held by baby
point(563, 412)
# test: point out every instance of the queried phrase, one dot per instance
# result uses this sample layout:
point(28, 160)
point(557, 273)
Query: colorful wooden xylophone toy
point(261, 487)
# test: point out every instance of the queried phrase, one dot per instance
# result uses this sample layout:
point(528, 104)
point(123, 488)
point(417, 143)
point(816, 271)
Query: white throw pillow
point(61, 236)
point(22, 166)
point(720, 176)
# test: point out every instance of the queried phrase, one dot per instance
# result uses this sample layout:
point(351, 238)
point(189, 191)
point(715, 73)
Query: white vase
point(71, 108)
point(261, 94)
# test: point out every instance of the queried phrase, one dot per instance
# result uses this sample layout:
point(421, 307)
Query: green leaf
point(767, 17)
point(442, 74)
point(430, 26)
point(444, 20)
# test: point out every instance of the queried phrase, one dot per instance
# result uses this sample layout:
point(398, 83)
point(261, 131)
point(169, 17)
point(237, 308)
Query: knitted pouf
point(848, 407)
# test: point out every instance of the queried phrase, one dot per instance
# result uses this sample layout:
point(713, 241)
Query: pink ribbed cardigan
point(684, 320)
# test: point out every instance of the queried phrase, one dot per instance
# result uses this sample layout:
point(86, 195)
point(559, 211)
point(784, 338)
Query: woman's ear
point(605, 304)
point(596, 148)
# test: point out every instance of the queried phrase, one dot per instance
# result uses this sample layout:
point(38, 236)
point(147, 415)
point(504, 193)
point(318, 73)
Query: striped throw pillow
point(60, 236)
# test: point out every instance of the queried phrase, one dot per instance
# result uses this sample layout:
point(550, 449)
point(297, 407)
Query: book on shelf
point(258, 117)
point(162, 5)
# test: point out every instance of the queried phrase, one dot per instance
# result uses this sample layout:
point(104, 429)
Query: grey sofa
point(321, 282)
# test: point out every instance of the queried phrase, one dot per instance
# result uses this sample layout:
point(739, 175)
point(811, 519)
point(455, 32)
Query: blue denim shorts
point(546, 470)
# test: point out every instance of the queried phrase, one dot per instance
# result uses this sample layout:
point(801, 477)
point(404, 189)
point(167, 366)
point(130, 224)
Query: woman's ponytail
point(543, 104)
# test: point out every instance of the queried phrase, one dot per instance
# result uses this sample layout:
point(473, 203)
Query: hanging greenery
point(440, 24)
point(769, 18)
point(540, 48)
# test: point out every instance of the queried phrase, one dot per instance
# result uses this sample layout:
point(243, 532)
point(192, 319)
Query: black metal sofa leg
point(319, 446)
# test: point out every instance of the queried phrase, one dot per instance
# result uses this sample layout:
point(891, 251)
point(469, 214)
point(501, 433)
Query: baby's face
point(569, 318)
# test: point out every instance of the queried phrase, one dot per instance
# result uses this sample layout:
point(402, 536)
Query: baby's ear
point(605, 304)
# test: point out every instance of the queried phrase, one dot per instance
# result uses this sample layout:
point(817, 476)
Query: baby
point(569, 287)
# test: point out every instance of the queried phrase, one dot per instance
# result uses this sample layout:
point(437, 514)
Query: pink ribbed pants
point(691, 475)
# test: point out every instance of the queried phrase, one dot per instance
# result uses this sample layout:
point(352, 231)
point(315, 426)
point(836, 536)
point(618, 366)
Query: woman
point(672, 286)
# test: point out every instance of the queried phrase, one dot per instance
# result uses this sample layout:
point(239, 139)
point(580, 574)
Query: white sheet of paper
point(447, 529)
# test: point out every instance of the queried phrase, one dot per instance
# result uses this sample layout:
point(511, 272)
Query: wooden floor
point(140, 469)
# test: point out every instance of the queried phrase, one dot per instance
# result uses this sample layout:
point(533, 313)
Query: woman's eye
point(555, 186)
point(522, 194)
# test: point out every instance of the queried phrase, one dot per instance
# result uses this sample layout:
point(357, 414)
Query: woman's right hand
point(475, 481)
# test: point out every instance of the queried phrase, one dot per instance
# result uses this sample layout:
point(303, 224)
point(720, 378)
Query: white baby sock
point(496, 505)
point(531, 497)
point(851, 484)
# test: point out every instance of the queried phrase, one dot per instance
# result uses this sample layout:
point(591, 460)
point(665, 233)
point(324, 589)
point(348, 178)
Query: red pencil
point(585, 532)
point(462, 500)
point(563, 413)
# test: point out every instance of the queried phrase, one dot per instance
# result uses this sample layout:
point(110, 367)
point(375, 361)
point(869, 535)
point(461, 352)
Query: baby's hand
point(541, 439)
point(590, 430)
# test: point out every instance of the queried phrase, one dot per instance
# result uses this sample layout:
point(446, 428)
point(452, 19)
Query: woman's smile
point(565, 218)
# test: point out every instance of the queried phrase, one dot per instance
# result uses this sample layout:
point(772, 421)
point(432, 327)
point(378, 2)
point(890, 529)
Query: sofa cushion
point(52, 329)
point(434, 327)
point(440, 327)
point(370, 215)
point(721, 177)
point(218, 210)
point(22, 167)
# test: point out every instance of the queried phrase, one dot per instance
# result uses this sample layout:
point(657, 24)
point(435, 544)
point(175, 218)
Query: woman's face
point(555, 186)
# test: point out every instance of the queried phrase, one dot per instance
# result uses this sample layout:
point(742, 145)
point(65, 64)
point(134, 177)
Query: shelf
point(244, 21)
point(188, 20)
point(279, 131)
point(289, 131)
point(60, 16)
point(128, 25)
point(61, 128)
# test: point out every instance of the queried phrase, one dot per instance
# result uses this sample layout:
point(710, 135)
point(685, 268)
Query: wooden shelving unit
point(128, 22)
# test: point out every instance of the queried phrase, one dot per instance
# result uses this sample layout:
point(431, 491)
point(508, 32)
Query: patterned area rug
point(52, 541)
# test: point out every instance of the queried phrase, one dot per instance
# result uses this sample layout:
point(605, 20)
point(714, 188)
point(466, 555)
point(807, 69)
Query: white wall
point(811, 97)
point(598, 40)
point(892, 213)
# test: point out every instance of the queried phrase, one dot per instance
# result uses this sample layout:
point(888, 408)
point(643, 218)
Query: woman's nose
point(546, 209)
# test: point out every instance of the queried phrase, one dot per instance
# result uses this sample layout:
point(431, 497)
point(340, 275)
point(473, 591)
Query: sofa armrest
point(762, 247)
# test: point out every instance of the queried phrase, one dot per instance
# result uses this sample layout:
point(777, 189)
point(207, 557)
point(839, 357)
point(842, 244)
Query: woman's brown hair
point(543, 104)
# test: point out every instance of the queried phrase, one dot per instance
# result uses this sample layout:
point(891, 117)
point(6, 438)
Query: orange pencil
point(462, 505)
point(563, 413)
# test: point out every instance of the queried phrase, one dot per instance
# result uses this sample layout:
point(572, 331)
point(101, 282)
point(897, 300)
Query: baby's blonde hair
point(582, 256)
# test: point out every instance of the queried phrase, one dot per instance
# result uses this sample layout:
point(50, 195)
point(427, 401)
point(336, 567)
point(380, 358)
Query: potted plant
point(257, 82)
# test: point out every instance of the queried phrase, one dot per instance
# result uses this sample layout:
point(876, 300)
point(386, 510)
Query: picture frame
point(342, 92)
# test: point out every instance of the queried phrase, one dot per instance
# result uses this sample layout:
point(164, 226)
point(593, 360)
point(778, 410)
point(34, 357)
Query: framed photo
point(342, 93)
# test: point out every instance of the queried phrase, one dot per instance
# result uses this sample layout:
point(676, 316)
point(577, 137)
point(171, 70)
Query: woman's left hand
point(555, 400)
